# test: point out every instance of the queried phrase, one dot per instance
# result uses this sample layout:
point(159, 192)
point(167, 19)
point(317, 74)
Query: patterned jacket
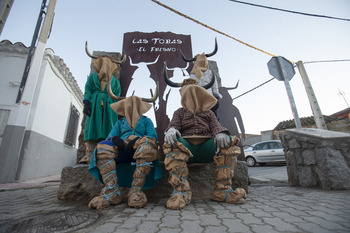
point(204, 123)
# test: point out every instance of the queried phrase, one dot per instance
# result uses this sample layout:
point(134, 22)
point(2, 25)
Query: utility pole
point(27, 92)
point(31, 52)
point(5, 8)
point(316, 110)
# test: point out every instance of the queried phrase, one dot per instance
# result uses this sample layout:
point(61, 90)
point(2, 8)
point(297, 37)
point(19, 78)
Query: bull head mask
point(188, 81)
point(148, 100)
point(131, 107)
point(95, 57)
point(207, 54)
point(104, 66)
point(185, 82)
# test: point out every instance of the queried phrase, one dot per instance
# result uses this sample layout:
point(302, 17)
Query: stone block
point(240, 179)
point(292, 174)
point(308, 157)
point(290, 159)
point(298, 156)
point(334, 167)
point(306, 177)
point(78, 184)
point(293, 143)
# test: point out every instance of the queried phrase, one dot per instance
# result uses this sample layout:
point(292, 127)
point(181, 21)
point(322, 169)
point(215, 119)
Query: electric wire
point(253, 89)
point(325, 61)
point(290, 11)
point(196, 21)
point(307, 62)
point(211, 28)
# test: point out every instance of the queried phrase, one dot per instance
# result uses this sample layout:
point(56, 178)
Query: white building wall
point(53, 106)
point(11, 71)
point(43, 150)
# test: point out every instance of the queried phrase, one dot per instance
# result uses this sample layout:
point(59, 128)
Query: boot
point(145, 154)
point(110, 194)
point(225, 162)
point(176, 157)
point(89, 149)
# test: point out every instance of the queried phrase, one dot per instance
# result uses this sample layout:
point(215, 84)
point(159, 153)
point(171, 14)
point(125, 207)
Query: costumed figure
point(131, 142)
point(100, 118)
point(194, 135)
point(203, 74)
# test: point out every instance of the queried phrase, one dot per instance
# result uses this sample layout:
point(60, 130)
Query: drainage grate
point(63, 221)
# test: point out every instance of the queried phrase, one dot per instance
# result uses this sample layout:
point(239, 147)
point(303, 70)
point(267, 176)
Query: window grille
point(72, 129)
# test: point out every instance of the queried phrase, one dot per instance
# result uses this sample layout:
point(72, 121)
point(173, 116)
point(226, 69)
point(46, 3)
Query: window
point(275, 145)
point(72, 129)
point(261, 146)
point(4, 116)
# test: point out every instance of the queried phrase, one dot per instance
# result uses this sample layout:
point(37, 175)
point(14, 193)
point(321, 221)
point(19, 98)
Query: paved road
point(271, 206)
point(267, 209)
point(268, 174)
point(267, 169)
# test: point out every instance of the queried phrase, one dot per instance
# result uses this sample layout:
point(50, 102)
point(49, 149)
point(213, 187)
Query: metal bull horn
point(173, 84)
point(94, 57)
point(207, 55)
point(232, 88)
point(149, 100)
point(167, 80)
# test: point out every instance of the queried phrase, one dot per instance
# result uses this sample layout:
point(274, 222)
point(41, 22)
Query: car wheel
point(250, 161)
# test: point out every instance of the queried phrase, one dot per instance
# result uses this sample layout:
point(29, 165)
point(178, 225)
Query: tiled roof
point(20, 48)
point(305, 122)
point(341, 113)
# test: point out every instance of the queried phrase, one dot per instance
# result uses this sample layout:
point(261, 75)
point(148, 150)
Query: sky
point(292, 36)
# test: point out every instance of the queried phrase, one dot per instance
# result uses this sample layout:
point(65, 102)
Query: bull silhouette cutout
point(172, 95)
point(142, 85)
point(228, 114)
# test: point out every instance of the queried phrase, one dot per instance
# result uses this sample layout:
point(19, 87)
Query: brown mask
point(105, 67)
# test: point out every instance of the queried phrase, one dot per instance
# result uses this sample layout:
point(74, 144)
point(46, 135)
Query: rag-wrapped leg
point(145, 153)
point(89, 149)
point(110, 194)
point(176, 157)
point(225, 162)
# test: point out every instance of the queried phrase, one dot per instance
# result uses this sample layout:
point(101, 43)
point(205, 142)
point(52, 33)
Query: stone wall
point(317, 158)
point(339, 125)
point(342, 125)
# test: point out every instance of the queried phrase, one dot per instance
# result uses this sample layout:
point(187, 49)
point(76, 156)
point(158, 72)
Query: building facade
point(48, 141)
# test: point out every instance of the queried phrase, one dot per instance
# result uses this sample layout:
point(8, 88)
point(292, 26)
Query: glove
point(222, 140)
point(87, 108)
point(118, 142)
point(130, 146)
point(171, 136)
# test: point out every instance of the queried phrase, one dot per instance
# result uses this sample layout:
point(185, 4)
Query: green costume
point(102, 119)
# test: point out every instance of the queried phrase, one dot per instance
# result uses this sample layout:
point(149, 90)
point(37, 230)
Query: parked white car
point(264, 152)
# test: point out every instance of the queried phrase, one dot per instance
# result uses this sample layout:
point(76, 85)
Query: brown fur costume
point(196, 99)
point(146, 152)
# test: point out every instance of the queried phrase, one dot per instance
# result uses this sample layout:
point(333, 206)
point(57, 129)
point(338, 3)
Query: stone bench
point(78, 184)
